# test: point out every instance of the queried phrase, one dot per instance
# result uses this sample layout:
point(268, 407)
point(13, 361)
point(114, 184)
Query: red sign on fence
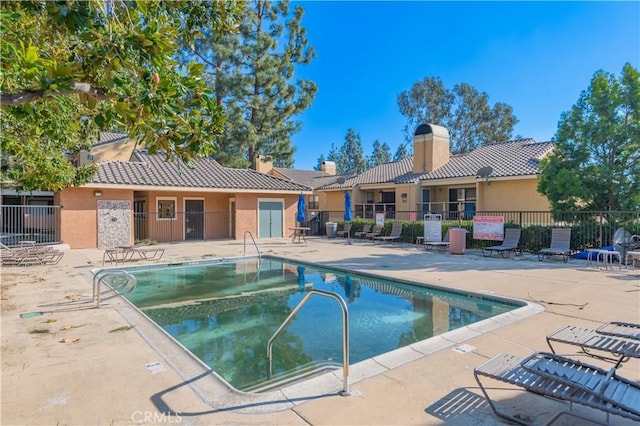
point(488, 228)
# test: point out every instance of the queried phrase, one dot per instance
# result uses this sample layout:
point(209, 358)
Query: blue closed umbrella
point(301, 208)
point(347, 206)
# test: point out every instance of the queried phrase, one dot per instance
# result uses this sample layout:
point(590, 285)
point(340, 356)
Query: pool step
point(303, 373)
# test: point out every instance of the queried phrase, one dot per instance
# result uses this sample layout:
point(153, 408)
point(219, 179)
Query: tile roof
point(154, 170)
point(520, 157)
point(108, 137)
point(311, 178)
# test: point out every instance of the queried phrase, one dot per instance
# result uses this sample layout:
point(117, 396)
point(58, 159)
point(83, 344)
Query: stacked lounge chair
point(28, 256)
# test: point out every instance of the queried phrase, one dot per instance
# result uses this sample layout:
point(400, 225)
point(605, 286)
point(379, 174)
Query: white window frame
point(175, 208)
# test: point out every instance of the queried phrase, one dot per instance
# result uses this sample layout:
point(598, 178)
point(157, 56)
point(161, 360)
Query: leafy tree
point(253, 75)
point(401, 152)
point(463, 111)
point(381, 153)
point(596, 161)
point(71, 69)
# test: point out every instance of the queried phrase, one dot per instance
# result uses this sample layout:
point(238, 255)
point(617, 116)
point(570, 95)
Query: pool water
point(226, 312)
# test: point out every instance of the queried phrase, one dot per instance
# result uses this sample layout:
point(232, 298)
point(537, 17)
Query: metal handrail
point(99, 278)
point(345, 333)
point(254, 243)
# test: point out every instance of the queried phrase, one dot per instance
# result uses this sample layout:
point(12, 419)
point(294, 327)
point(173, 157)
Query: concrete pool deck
point(79, 365)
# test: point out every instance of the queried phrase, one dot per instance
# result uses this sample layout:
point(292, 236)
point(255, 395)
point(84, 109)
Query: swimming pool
point(225, 311)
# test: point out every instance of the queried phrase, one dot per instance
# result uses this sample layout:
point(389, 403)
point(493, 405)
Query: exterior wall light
point(97, 193)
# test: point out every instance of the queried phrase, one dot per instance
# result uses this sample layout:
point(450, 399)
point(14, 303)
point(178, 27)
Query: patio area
point(75, 364)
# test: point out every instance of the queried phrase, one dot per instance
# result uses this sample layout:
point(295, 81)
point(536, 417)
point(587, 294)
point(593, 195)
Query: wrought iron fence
point(38, 224)
point(182, 226)
point(589, 229)
point(41, 224)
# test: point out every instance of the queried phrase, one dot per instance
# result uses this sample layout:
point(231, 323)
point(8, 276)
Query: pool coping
point(220, 395)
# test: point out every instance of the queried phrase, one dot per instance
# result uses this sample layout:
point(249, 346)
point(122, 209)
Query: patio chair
point(396, 232)
point(365, 230)
point(560, 245)
point(562, 379)
point(619, 340)
point(345, 232)
point(438, 245)
point(377, 230)
point(148, 253)
point(509, 244)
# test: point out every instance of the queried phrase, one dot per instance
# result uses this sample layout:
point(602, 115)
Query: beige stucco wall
point(514, 195)
point(79, 225)
point(247, 212)
point(430, 151)
point(216, 226)
point(78, 218)
point(409, 203)
point(333, 203)
point(117, 151)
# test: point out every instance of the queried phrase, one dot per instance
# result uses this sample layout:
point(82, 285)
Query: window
point(426, 198)
point(389, 197)
point(314, 202)
point(462, 202)
point(369, 197)
point(166, 208)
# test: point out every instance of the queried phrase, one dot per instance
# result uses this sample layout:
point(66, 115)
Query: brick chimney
point(430, 148)
point(329, 167)
point(263, 165)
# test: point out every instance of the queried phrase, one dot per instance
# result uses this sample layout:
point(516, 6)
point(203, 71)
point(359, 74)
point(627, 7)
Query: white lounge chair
point(618, 340)
point(563, 379)
point(438, 245)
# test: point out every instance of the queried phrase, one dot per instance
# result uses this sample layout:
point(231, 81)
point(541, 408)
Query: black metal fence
point(38, 224)
point(182, 226)
point(41, 224)
point(589, 229)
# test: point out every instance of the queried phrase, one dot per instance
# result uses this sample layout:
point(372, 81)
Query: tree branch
point(27, 96)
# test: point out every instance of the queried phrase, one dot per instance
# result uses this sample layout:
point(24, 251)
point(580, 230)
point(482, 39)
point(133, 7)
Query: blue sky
point(535, 56)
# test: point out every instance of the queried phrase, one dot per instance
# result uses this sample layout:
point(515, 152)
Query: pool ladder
point(99, 278)
point(254, 244)
point(345, 335)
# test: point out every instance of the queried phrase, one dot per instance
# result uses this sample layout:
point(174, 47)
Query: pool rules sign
point(433, 227)
point(488, 228)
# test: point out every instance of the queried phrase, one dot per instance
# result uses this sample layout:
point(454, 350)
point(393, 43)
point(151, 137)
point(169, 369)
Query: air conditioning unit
point(85, 158)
